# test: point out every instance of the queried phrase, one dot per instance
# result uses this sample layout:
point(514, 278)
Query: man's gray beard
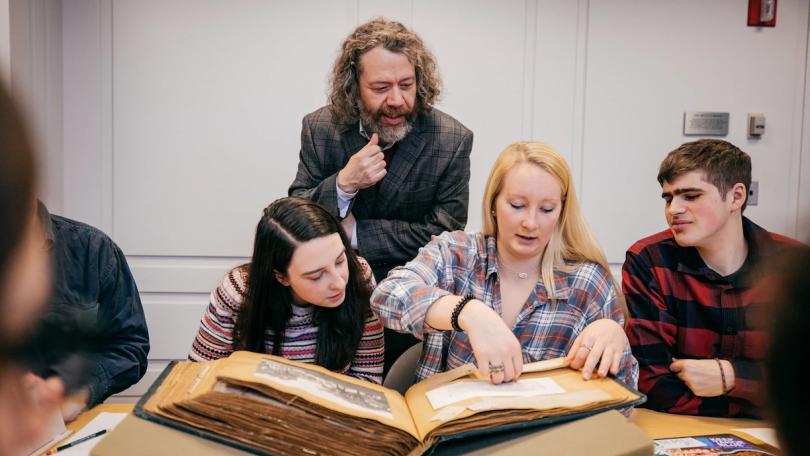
point(388, 134)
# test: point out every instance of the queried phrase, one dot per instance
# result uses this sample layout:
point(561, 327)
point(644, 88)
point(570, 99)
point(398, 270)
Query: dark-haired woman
point(303, 296)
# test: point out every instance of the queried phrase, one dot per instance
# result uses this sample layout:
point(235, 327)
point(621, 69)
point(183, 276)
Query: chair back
point(403, 372)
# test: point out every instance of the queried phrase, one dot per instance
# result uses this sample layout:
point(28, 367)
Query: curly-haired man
point(380, 156)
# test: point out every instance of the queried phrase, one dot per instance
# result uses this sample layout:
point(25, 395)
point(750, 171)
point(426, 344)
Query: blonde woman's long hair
point(572, 240)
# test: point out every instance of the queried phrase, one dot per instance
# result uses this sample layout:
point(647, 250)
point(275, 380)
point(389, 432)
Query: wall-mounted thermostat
point(705, 123)
point(753, 194)
point(756, 124)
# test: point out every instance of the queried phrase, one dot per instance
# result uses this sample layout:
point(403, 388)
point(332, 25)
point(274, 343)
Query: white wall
point(803, 207)
point(646, 68)
point(181, 118)
point(35, 32)
point(5, 42)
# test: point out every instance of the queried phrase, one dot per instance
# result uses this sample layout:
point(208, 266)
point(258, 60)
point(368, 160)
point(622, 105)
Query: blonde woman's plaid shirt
point(459, 263)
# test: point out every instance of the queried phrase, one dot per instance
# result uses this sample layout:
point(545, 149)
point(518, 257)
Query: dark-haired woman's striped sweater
point(215, 337)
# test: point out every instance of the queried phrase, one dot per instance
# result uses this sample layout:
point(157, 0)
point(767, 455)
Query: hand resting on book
point(602, 343)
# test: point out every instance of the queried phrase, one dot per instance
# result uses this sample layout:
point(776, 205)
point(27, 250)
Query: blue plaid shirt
point(460, 263)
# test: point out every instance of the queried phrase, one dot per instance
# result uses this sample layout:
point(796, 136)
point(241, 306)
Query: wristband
point(457, 311)
point(722, 376)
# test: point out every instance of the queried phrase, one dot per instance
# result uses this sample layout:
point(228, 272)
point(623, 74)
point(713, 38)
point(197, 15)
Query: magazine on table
point(710, 445)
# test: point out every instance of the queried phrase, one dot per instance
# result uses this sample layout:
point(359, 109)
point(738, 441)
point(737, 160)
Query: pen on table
point(77, 441)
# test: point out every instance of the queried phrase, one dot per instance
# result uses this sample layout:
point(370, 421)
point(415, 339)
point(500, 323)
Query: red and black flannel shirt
point(680, 308)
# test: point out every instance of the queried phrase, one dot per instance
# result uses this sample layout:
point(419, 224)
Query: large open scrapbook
point(269, 405)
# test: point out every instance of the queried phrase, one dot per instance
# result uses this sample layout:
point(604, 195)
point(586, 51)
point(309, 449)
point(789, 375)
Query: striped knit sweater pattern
point(214, 338)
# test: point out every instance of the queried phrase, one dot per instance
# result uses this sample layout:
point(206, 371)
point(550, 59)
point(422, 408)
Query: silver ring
point(496, 369)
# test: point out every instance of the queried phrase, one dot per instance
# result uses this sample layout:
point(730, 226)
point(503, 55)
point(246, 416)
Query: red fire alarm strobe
point(762, 13)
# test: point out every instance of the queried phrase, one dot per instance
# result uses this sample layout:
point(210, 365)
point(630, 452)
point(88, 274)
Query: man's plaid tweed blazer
point(424, 193)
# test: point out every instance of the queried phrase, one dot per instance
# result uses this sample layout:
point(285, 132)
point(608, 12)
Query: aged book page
point(577, 395)
point(282, 406)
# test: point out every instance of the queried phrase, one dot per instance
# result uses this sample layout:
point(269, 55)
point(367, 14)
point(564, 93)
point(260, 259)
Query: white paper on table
point(767, 435)
point(104, 420)
point(459, 391)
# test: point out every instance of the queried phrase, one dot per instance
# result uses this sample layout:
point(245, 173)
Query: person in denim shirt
point(93, 334)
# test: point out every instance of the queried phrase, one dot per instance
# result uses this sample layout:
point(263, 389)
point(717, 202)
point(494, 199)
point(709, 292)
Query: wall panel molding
point(36, 81)
point(580, 97)
point(106, 138)
point(793, 202)
point(134, 392)
point(173, 321)
point(803, 189)
point(557, 76)
point(171, 274)
point(87, 96)
point(529, 68)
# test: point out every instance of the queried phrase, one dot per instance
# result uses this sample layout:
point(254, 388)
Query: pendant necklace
point(520, 275)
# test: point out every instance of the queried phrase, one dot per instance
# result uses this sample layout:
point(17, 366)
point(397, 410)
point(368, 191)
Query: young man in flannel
point(693, 323)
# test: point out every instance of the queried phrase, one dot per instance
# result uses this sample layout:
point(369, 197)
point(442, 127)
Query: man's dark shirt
point(95, 308)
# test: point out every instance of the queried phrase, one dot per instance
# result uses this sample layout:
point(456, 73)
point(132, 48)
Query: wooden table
point(88, 416)
point(665, 425)
point(656, 424)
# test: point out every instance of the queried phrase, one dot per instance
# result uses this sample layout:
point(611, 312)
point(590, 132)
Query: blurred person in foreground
point(26, 402)
point(788, 288)
point(92, 333)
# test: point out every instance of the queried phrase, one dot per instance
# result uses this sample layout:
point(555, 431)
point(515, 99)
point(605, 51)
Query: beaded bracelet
point(722, 375)
point(457, 311)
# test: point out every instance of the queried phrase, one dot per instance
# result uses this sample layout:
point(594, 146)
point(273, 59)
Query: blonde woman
point(533, 285)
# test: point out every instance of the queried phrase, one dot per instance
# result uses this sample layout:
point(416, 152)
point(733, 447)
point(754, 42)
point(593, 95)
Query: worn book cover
point(269, 405)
